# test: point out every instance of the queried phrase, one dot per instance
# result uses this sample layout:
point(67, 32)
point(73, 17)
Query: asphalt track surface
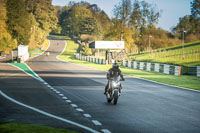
point(143, 107)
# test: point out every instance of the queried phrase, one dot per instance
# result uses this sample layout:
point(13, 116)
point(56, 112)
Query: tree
point(44, 13)
point(183, 25)
point(6, 40)
point(79, 13)
point(195, 8)
point(122, 11)
point(114, 33)
point(104, 23)
point(143, 18)
point(89, 26)
point(86, 50)
point(190, 24)
point(143, 15)
point(74, 18)
point(19, 25)
point(43, 20)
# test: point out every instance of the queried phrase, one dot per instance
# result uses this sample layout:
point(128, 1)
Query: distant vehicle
point(47, 53)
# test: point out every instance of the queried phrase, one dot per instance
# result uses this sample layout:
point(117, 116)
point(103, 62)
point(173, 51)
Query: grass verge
point(36, 52)
point(191, 82)
point(13, 127)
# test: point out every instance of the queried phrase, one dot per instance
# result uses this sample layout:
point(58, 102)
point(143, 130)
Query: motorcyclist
point(113, 72)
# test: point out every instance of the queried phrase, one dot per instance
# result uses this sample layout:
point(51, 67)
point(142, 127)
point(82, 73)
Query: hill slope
point(186, 55)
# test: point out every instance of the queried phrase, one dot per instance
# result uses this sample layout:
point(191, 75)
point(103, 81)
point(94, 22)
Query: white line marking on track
point(61, 95)
point(105, 131)
point(87, 115)
point(48, 114)
point(74, 105)
point(41, 80)
point(58, 92)
point(97, 123)
point(80, 110)
point(64, 98)
point(69, 101)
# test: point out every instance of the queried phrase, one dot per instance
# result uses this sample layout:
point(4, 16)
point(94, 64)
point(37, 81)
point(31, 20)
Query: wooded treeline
point(133, 22)
point(26, 22)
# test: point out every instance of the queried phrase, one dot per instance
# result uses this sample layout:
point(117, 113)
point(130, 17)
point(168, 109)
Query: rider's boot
point(106, 88)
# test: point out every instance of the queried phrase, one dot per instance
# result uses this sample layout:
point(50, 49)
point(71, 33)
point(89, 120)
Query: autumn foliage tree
point(6, 40)
point(19, 24)
point(189, 25)
point(26, 22)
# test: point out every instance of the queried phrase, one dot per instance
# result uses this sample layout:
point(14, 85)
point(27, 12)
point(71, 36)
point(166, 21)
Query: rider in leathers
point(113, 72)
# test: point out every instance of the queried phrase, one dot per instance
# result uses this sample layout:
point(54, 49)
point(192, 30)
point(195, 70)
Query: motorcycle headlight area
point(115, 84)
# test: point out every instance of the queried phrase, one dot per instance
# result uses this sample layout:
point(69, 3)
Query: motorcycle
point(114, 90)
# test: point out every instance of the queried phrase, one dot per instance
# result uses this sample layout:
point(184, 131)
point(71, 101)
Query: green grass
point(14, 127)
point(191, 82)
point(174, 55)
point(35, 52)
point(182, 81)
point(61, 37)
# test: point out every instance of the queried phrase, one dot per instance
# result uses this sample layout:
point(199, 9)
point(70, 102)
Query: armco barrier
point(148, 68)
point(141, 66)
point(135, 64)
point(194, 70)
point(156, 67)
point(166, 69)
point(123, 63)
point(129, 64)
point(89, 59)
point(198, 71)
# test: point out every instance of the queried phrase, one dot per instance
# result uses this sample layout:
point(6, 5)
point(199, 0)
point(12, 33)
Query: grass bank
point(187, 55)
point(13, 127)
point(35, 52)
point(182, 81)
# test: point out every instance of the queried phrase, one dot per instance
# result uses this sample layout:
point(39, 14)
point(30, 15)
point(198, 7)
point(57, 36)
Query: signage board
point(107, 45)
point(22, 50)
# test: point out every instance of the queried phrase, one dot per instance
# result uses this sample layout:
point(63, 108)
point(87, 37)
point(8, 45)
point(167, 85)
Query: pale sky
point(172, 10)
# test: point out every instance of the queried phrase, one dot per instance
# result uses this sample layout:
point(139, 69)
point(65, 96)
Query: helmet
point(116, 65)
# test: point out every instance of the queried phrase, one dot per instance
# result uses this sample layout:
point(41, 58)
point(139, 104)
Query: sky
point(171, 10)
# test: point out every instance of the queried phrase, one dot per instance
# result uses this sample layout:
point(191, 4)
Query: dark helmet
point(116, 65)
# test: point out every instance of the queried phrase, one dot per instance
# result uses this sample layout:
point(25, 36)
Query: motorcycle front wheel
point(109, 100)
point(115, 96)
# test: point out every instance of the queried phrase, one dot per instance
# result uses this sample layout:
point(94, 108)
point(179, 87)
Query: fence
point(186, 55)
